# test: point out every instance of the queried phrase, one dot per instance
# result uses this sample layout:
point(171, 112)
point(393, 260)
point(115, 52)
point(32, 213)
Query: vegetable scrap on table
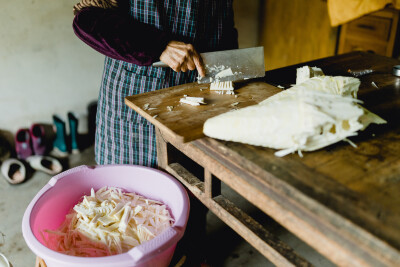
point(193, 101)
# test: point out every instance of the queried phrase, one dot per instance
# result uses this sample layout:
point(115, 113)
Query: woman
point(133, 34)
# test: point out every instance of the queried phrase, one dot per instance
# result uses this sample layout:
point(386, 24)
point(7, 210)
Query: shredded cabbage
point(108, 222)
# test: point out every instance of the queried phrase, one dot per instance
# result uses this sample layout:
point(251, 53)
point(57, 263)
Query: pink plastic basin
point(48, 209)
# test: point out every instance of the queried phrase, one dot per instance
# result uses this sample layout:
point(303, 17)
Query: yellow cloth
point(342, 11)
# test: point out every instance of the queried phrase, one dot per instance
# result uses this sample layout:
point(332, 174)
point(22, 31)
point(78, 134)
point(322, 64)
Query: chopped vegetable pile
point(109, 222)
point(316, 112)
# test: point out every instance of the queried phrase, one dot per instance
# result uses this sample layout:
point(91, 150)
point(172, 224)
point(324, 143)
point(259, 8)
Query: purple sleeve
point(119, 36)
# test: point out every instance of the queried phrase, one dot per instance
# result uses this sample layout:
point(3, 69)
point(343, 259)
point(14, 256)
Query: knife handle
point(160, 64)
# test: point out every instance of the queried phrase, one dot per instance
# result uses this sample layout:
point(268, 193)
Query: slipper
point(14, 171)
point(45, 164)
point(4, 261)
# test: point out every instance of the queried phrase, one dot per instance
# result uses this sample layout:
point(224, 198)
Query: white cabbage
point(316, 113)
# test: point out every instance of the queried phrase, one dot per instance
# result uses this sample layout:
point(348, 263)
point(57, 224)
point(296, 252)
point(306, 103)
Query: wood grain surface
point(366, 178)
point(342, 201)
point(185, 122)
point(361, 185)
point(374, 32)
point(294, 31)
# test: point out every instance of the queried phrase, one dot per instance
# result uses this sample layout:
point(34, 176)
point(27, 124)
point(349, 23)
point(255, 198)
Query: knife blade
point(231, 65)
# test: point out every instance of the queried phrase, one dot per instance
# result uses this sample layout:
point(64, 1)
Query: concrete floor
point(225, 248)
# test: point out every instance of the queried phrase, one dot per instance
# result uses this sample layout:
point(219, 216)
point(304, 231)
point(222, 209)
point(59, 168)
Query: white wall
point(44, 67)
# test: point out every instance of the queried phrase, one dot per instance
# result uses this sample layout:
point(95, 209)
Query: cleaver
point(231, 65)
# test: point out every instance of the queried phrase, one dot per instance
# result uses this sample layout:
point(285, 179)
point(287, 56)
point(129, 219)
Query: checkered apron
point(123, 136)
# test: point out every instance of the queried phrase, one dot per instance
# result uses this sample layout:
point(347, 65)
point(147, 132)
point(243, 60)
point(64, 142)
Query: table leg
point(212, 185)
point(182, 160)
point(162, 154)
point(193, 242)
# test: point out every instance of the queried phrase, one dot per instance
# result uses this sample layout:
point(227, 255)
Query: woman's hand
point(182, 57)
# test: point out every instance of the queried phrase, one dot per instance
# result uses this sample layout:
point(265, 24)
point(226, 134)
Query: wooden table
point(342, 201)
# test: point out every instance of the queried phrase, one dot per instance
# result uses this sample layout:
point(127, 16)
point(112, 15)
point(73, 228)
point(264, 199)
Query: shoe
point(38, 141)
point(92, 113)
point(60, 144)
point(14, 171)
point(23, 144)
point(45, 164)
point(73, 132)
point(5, 149)
point(4, 261)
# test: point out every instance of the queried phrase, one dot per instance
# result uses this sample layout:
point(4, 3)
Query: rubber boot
point(92, 111)
point(73, 132)
point(59, 144)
